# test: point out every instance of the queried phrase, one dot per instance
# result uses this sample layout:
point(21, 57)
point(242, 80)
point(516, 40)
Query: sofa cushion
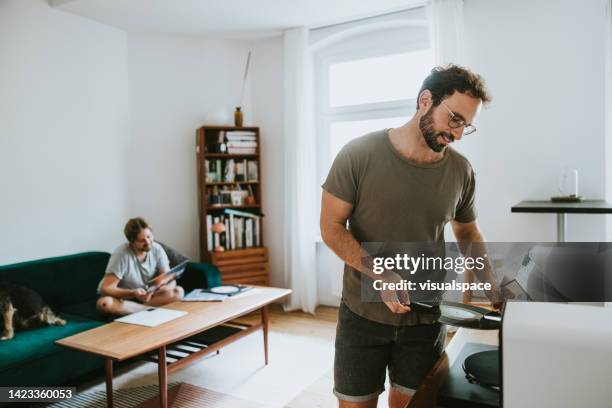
point(62, 280)
point(37, 344)
point(87, 310)
point(174, 256)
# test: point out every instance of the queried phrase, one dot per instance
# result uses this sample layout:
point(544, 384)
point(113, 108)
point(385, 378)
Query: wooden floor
point(320, 325)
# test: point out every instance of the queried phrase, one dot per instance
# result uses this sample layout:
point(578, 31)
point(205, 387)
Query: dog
point(23, 308)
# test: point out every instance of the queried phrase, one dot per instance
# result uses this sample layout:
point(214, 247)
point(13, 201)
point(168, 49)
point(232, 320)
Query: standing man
point(399, 185)
point(131, 266)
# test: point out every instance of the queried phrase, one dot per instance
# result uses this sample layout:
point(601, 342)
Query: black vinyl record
point(483, 368)
point(464, 315)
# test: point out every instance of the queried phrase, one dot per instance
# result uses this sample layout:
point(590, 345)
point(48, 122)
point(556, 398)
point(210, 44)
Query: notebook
point(151, 317)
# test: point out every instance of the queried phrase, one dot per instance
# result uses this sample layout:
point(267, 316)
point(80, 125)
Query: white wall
point(64, 122)
point(177, 84)
point(544, 64)
point(267, 96)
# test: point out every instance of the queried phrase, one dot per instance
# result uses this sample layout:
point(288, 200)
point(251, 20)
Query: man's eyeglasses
point(456, 122)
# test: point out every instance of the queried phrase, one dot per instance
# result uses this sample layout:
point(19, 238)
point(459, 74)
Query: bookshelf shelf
point(244, 258)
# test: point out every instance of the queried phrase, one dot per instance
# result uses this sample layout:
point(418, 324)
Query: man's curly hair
point(444, 81)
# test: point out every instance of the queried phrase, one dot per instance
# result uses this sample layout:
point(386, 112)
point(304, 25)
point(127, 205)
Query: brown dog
point(22, 308)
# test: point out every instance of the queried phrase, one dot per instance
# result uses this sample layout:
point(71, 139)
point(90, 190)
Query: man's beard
point(430, 134)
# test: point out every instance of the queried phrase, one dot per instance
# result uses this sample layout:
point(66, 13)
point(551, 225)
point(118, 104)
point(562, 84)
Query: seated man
point(131, 266)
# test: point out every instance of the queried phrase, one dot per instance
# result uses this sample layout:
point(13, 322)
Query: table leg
point(561, 227)
point(264, 322)
point(162, 371)
point(108, 371)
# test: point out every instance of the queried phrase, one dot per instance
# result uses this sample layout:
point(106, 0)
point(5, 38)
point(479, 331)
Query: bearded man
point(399, 185)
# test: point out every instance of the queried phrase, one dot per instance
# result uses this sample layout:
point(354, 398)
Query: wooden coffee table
point(172, 340)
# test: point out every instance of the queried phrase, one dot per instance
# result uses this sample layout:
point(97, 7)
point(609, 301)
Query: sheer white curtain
point(446, 30)
point(608, 107)
point(608, 110)
point(300, 165)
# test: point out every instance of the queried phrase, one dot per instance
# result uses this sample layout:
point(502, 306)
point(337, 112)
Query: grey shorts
point(365, 349)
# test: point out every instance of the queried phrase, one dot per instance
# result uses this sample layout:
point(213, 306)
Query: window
point(378, 79)
point(367, 83)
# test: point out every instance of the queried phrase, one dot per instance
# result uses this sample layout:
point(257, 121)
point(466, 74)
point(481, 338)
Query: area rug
point(180, 395)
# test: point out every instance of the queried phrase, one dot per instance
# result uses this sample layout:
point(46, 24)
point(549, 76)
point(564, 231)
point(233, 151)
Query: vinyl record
point(464, 315)
point(224, 289)
point(483, 368)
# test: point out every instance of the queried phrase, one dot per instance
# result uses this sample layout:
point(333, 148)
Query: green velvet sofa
point(68, 284)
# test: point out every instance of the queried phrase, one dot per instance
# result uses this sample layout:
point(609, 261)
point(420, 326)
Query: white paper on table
point(151, 317)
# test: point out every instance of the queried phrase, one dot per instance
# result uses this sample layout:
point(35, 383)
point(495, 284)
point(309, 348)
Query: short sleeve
point(117, 265)
point(162, 258)
point(466, 210)
point(342, 180)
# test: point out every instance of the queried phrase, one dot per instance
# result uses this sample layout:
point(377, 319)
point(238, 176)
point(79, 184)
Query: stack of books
point(230, 170)
point(241, 142)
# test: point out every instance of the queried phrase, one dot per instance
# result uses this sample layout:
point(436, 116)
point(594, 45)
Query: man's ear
point(425, 101)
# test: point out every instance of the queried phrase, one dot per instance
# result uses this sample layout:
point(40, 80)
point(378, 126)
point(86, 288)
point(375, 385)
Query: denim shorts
point(365, 349)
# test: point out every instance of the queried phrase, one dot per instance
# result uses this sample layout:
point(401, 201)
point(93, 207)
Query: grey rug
point(180, 395)
point(126, 398)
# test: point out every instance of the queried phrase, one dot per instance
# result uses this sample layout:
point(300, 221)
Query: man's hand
point(496, 297)
point(142, 295)
point(396, 300)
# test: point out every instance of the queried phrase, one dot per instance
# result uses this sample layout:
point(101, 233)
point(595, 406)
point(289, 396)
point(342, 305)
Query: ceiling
point(243, 18)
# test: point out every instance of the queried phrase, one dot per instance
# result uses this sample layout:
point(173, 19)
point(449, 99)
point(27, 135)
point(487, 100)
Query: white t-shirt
point(132, 273)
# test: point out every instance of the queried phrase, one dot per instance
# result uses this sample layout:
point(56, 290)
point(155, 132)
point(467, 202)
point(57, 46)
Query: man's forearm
point(473, 245)
point(343, 243)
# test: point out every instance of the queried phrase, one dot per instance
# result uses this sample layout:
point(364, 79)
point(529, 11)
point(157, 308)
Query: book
point(229, 171)
point(242, 150)
point(252, 171)
point(227, 242)
point(241, 138)
point(216, 237)
point(242, 213)
point(240, 171)
point(239, 144)
point(209, 233)
point(257, 232)
point(218, 170)
point(248, 232)
point(240, 133)
point(232, 232)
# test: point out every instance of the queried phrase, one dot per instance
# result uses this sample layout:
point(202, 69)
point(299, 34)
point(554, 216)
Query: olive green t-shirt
point(397, 200)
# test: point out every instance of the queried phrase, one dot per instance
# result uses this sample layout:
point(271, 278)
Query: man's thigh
point(363, 351)
point(414, 353)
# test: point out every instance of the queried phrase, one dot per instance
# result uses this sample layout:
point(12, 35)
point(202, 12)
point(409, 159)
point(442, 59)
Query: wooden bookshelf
point(248, 265)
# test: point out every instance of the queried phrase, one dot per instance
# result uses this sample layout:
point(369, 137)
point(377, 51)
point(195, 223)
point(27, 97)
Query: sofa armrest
point(199, 275)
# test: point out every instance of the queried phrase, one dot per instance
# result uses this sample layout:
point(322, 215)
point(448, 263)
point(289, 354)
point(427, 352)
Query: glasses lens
point(469, 129)
point(455, 123)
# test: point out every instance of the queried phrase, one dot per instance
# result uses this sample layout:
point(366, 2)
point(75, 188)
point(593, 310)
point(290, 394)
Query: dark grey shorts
point(365, 349)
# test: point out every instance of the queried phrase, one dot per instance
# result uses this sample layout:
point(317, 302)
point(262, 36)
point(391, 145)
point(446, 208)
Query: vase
point(238, 117)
